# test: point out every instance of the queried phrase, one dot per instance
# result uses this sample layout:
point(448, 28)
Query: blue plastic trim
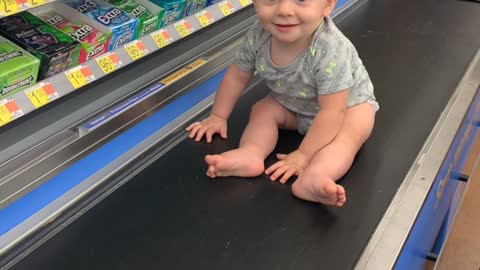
point(428, 224)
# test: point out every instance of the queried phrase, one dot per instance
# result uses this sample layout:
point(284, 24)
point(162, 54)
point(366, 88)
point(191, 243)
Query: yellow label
point(226, 8)
point(5, 115)
point(160, 39)
point(38, 97)
point(182, 72)
point(134, 51)
point(106, 63)
point(33, 3)
point(76, 78)
point(245, 3)
point(8, 7)
point(204, 18)
point(182, 29)
point(197, 63)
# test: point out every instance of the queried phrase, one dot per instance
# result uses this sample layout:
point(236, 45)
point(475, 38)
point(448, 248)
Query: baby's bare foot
point(238, 162)
point(324, 191)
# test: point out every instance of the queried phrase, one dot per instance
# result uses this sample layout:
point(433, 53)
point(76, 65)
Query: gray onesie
point(330, 64)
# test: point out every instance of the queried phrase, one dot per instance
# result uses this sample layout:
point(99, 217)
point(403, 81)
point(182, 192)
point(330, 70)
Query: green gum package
point(18, 68)
point(149, 14)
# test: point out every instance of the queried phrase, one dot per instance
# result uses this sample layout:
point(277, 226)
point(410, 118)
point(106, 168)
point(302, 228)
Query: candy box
point(93, 36)
point(149, 15)
point(193, 6)
point(122, 25)
point(18, 68)
point(211, 2)
point(57, 51)
point(174, 10)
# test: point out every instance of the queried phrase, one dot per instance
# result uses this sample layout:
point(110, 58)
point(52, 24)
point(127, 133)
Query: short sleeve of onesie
point(245, 56)
point(333, 64)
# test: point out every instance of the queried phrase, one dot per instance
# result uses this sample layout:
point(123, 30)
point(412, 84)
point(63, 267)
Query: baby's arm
point(326, 124)
point(231, 87)
point(325, 127)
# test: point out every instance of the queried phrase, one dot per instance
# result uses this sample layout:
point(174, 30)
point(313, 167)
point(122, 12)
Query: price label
point(8, 7)
point(5, 115)
point(245, 3)
point(41, 94)
point(108, 62)
point(226, 7)
point(135, 49)
point(9, 110)
point(161, 38)
point(204, 17)
point(34, 3)
point(183, 27)
point(182, 72)
point(79, 76)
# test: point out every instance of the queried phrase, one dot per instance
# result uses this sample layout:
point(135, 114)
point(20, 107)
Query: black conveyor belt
point(170, 216)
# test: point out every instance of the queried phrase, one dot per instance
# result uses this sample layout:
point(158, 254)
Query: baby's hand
point(288, 165)
point(208, 126)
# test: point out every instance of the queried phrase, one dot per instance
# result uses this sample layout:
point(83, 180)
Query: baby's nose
point(284, 8)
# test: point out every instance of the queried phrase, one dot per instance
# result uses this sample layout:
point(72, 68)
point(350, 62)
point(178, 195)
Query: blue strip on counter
point(118, 109)
point(39, 198)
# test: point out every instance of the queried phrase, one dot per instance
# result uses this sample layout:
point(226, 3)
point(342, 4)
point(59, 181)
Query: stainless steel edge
point(391, 233)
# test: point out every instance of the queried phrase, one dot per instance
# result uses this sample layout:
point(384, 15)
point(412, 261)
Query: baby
point(318, 86)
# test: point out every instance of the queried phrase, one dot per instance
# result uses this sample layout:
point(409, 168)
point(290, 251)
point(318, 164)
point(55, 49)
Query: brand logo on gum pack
point(95, 51)
point(85, 6)
point(138, 11)
point(124, 39)
point(110, 16)
point(82, 32)
point(55, 20)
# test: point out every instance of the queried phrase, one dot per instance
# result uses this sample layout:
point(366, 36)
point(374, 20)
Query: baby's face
point(291, 21)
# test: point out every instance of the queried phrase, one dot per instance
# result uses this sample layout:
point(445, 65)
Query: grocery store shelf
point(10, 7)
point(61, 84)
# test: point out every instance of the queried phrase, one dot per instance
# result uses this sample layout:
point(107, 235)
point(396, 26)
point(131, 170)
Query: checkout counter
point(88, 184)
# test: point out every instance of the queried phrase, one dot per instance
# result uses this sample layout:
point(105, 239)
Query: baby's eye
point(301, 1)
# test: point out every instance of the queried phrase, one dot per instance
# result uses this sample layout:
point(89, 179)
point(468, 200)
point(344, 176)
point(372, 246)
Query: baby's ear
point(329, 6)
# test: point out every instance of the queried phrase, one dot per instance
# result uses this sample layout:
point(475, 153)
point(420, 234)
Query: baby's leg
point(317, 182)
point(258, 141)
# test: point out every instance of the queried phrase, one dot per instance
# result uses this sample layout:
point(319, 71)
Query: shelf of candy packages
point(58, 47)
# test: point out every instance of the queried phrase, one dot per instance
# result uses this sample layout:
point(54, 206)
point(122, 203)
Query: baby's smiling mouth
point(284, 27)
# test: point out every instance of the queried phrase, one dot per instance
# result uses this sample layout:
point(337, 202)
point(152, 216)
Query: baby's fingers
point(279, 172)
point(193, 130)
point(289, 173)
point(274, 167)
point(200, 133)
point(281, 156)
point(189, 128)
point(223, 132)
point(209, 134)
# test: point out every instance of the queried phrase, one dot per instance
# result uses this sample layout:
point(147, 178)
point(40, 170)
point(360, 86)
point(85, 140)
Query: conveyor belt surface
point(171, 216)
